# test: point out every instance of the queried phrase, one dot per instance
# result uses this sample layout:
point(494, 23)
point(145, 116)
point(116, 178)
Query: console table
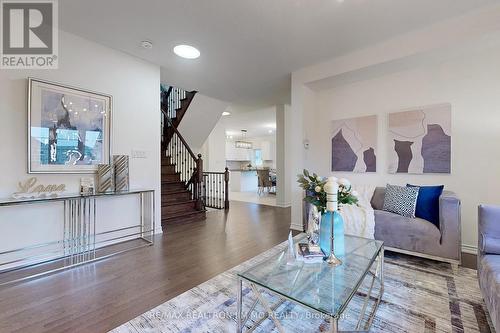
point(80, 242)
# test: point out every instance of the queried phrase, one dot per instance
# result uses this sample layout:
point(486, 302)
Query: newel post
point(226, 189)
point(199, 181)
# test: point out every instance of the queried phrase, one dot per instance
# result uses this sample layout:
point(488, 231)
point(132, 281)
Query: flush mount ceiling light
point(187, 51)
point(226, 113)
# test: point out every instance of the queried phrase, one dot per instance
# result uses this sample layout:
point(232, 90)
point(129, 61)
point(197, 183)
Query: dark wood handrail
point(180, 136)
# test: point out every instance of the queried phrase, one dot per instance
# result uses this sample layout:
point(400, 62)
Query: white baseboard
point(469, 249)
point(284, 205)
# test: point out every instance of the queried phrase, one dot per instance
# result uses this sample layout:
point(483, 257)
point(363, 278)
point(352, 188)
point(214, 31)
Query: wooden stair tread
point(178, 203)
point(170, 173)
point(183, 214)
point(175, 191)
point(166, 182)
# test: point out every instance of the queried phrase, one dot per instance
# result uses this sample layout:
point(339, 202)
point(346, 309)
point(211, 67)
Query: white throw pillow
point(401, 200)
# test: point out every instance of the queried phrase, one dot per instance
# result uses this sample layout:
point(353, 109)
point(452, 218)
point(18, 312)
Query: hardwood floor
point(101, 296)
point(98, 297)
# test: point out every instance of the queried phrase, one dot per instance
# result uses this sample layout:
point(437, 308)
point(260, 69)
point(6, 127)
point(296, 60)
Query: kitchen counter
point(243, 180)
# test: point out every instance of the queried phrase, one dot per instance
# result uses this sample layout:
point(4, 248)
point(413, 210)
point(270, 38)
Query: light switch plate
point(139, 154)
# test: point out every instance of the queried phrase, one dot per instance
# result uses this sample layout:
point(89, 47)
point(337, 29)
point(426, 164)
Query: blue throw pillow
point(428, 203)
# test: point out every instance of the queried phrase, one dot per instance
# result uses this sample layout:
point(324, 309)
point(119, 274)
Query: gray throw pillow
point(401, 200)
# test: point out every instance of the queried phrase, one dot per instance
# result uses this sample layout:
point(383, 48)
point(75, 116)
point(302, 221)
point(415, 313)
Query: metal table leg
point(239, 305)
point(334, 323)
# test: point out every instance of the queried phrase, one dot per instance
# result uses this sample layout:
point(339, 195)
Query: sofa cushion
point(377, 200)
point(401, 200)
point(489, 244)
point(412, 234)
point(428, 203)
point(489, 281)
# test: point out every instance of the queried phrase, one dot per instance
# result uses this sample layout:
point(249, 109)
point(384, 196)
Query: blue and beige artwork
point(71, 129)
point(420, 140)
point(354, 144)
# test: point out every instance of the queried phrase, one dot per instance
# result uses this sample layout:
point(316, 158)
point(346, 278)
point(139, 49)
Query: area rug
point(420, 296)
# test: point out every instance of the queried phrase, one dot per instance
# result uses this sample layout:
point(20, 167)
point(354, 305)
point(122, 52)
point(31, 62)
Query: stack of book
point(309, 253)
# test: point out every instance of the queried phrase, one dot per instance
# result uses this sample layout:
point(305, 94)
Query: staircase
point(181, 169)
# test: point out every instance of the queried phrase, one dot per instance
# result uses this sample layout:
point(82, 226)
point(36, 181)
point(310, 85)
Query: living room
point(115, 200)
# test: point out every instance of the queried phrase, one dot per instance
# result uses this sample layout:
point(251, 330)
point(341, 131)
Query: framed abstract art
point(354, 144)
point(69, 129)
point(419, 140)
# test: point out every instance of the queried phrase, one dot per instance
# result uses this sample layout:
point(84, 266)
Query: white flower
point(344, 182)
point(355, 193)
point(317, 189)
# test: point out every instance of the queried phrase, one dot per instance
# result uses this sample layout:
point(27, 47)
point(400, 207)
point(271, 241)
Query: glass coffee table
point(316, 286)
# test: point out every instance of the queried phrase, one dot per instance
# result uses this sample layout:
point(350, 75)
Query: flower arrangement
point(315, 190)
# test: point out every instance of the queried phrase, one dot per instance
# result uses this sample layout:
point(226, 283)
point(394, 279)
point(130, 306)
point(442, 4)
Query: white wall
point(200, 119)
point(436, 66)
point(134, 85)
point(214, 150)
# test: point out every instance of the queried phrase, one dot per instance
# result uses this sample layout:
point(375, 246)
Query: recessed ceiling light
point(225, 113)
point(146, 44)
point(187, 51)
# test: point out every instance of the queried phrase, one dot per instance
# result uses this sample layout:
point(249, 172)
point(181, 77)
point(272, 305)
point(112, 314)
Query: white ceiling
point(258, 123)
point(249, 47)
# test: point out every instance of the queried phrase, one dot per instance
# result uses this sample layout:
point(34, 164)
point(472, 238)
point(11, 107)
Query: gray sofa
point(420, 237)
point(488, 260)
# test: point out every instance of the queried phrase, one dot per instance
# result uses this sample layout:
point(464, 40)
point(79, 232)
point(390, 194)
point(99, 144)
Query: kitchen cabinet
point(243, 181)
point(267, 153)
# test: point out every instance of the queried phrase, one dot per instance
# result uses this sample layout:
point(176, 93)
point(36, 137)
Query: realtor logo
point(29, 36)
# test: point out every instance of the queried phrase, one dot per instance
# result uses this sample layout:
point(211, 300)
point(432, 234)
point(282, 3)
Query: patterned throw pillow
point(401, 200)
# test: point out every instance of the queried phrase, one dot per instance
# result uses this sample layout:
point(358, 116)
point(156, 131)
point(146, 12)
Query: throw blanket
point(360, 220)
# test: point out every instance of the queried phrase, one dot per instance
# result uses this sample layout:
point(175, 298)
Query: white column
point(300, 114)
point(283, 156)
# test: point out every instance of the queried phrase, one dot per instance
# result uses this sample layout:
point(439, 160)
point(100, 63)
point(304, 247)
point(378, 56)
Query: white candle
point(332, 190)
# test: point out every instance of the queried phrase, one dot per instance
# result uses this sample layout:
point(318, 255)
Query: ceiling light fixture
point(226, 113)
point(187, 51)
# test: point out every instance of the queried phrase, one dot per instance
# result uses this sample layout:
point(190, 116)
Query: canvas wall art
point(69, 129)
point(354, 144)
point(420, 140)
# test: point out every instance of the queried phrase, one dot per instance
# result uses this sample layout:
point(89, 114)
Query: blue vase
point(325, 232)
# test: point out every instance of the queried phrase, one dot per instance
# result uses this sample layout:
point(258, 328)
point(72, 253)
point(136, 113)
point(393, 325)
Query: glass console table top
point(13, 201)
point(316, 285)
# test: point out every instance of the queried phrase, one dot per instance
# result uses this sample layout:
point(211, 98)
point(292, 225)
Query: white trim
point(284, 205)
point(297, 227)
point(471, 249)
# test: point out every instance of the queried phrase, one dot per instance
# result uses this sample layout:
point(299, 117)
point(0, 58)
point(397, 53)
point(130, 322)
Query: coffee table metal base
point(376, 276)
